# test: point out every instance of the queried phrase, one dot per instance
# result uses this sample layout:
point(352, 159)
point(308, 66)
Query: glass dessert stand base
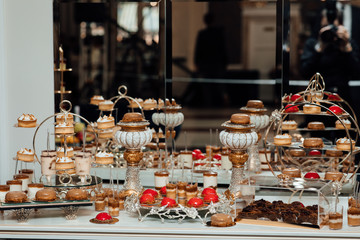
point(22, 211)
point(132, 205)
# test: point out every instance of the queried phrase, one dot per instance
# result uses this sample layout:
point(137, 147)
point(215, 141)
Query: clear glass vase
point(132, 179)
point(254, 163)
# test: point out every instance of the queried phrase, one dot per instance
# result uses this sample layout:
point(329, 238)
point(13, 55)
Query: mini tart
point(195, 202)
point(147, 199)
point(292, 172)
point(61, 118)
point(316, 125)
point(221, 220)
point(64, 128)
point(96, 99)
point(284, 139)
point(104, 218)
point(76, 194)
point(333, 153)
point(25, 155)
point(171, 203)
point(289, 125)
point(106, 122)
point(45, 195)
point(211, 198)
point(333, 176)
point(346, 122)
point(15, 197)
point(104, 158)
point(105, 133)
point(344, 144)
point(106, 105)
point(64, 163)
point(61, 153)
point(149, 104)
point(27, 121)
point(313, 143)
point(297, 152)
point(133, 104)
point(311, 109)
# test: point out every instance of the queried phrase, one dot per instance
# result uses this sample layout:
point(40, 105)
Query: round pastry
point(336, 110)
point(147, 199)
point(25, 155)
point(211, 198)
point(105, 122)
point(291, 108)
point(195, 202)
point(292, 172)
point(334, 97)
point(64, 128)
point(208, 191)
point(76, 194)
point(314, 153)
point(169, 202)
point(106, 105)
point(316, 125)
point(284, 139)
point(106, 133)
point(27, 121)
point(344, 144)
point(240, 118)
point(163, 190)
point(61, 153)
point(289, 125)
point(297, 152)
point(312, 175)
point(333, 153)
point(313, 143)
point(61, 118)
point(104, 218)
point(150, 104)
point(133, 104)
point(311, 109)
point(296, 98)
point(132, 117)
point(96, 99)
point(104, 158)
point(221, 220)
point(333, 176)
point(46, 195)
point(15, 197)
point(152, 192)
point(64, 163)
point(255, 104)
point(346, 122)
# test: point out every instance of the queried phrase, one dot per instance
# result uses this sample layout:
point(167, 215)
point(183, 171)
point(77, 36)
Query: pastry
point(114, 207)
point(240, 118)
point(160, 103)
point(344, 144)
point(60, 118)
point(297, 152)
point(208, 191)
point(105, 134)
point(106, 105)
point(195, 202)
point(181, 189)
point(346, 122)
point(221, 220)
point(291, 108)
point(27, 121)
point(147, 199)
point(132, 117)
point(91, 127)
point(284, 139)
point(311, 109)
point(96, 99)
point(150, 104)
point(33, 189)
point(211, 198)
point(25, 155)
point(191, 191)
point(100, 203)
point(334, 97)
point(104, 218)
point(289, 125)
point(104, 158)
point(76, 194)
point(315, 153)
point(133, 104)
point(255, 104)
point(333, 153)
point(15, 185)
point(15, 197)
point(152, 192)
point(335, 110)
point(296, 98)
point(169, 202)
point(312, 175)
point(210, 179)
point(64, 163)
point(105, 122)
point(353, 216)
point(335, 220)
point(292, 172)
point(313, 143)
point(61, 153)
point(333, 176)
point(171, 190)
point(316, 125)
point(64, 128)
point(46, 195)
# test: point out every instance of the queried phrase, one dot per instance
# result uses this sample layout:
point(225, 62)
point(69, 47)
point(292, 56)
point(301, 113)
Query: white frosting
point(284, 136)
point(308, 105)
point(344, 140)
point(339, 220)
point(290, 122)
point(149, 101)
point(104, 154)
point(64, 160)
point(210, 181)
point(354, 216)
point(27, 117)
point(26, 151)
point(345, 121)
point(98, 97)
point(161, 181)
point(105, 119)
point(61, 149)
point(63, 124)
point(15, 187)
point(63, 116)
point(106, 102)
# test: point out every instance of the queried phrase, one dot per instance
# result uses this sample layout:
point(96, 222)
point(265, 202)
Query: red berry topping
point(200, 156)
point(211, 198)
point(286, 99)
point(334, 97)
point(151, 191)
point(208, 191)
point(103, 216)
point(314, 153)
point(163, 190)
point(197, 151)
point(336, 110)
point(296, 98)
point(312, 175)
point(169, 202)
point(217, 157)
point(291, 108)
point(147, 199)
point(195, 202)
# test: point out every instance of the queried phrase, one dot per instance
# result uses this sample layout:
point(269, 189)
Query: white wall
point(26, 74)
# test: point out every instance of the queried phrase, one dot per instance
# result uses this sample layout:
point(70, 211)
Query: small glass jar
point(113, 207)
point(100, 204)
point(161, 179)
point(210, 179)
point(24, 181)
point(4, 189)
